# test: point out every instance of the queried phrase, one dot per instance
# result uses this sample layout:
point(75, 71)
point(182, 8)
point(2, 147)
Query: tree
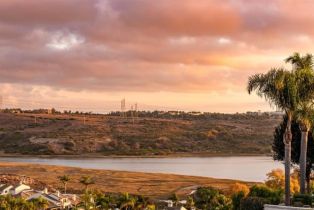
point(278, 87)
point(304, 117)
point(142, 202)
point(303, 68)
point(238, 187)
point(272, 196)
point(278, 146)
point(208, 198)
point(190, 204)
point(174, 198)
point(300, 62)
point(127, 202)
point(86, 181)
point(64, 179)
point(276, 180)
point(204, 196)
point(40, 203)
point(88, 200)
point(103, 201)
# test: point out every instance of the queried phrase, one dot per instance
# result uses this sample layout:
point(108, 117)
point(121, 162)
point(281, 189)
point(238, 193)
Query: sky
point(167, 54)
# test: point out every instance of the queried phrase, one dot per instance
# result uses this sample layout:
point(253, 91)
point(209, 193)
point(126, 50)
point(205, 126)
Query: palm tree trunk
point(303, 153)
point(65, 188)
point(287, 140)
point(287, 173)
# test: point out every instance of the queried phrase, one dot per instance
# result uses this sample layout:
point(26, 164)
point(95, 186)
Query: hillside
point(68, 134)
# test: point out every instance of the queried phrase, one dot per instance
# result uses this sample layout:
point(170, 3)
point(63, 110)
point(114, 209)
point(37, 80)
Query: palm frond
point(276, 86)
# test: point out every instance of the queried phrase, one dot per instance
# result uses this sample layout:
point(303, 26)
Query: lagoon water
point(249, 168)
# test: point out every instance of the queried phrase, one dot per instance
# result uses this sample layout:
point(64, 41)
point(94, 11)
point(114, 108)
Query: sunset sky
point(165, 54)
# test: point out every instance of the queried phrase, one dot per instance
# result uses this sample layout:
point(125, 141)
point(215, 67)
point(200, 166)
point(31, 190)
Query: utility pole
point(123, 114)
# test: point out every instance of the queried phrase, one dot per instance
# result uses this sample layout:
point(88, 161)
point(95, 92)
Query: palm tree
point(303, 68)
point(304, 117)
point(127, 202)
point(88, 200)
point(102, 201)
point(190, 204)
point(64, 179)
point(175, 199)
point(300, 62)
point(278, 87)
point(86, 181)
point(142, 202)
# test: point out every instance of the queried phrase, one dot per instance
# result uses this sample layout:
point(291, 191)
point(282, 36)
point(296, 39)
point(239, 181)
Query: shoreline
point(99, 156)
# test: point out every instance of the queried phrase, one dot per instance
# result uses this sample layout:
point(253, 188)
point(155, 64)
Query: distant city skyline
point(167, 55)
point(102, 106)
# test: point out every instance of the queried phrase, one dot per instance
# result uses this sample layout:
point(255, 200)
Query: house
point(194, 113)
point(55, 200)
point(169, 205)
point(27, 193)
point(5, 189)
point(19, 188)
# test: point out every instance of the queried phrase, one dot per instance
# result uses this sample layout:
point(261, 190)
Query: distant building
point(19, 188)
point(252, 113)
point(195, 113)
point(55, 200)
point(13, 190)
point(169, 205)
point(5, 189)
point(51, 111)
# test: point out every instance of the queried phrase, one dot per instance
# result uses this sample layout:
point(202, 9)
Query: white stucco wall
point(274, 207)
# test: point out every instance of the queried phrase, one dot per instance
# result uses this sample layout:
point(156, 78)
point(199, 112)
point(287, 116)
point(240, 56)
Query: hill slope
point(62, 134)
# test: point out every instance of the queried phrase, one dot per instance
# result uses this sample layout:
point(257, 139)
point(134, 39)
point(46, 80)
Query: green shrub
point(204, 196)
point(221, 202)
point(211, 199)
point(252, 203)
point(236, 199)
point(304, 199)
point(271, 196)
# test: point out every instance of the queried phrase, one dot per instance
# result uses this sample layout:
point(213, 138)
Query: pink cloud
point(146, 45)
